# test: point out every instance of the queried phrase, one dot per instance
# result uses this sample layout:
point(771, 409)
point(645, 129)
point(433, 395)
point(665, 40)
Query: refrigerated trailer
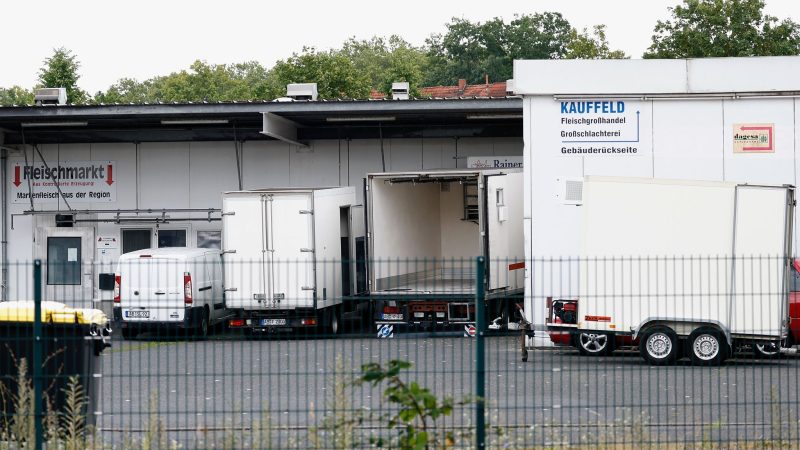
point(425, 230)
point(290, 257)
point(682, 267)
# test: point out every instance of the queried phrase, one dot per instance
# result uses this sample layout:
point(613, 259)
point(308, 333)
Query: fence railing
point(690, 352)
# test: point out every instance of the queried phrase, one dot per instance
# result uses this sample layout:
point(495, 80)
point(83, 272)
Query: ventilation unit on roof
point(50, 96)
point(510, 87)
point(302, 91)
point(400, 91)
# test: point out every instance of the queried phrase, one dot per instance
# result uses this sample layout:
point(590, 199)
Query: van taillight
point(187, 288)
point(117, 279)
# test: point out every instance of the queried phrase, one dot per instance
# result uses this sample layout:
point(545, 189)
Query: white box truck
point(292, 257)
point(169, 289)
point(683, 268)
point(425, 230)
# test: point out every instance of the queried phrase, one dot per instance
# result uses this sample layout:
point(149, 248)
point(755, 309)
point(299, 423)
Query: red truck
point(598, 344)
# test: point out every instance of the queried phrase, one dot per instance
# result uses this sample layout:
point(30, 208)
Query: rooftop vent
point(400, 91)
point(302, 91)
point(510, 87)
point(50, 96)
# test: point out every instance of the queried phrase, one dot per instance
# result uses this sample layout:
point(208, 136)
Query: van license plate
point(392, 316)
point(272, 322)
point(137, 314)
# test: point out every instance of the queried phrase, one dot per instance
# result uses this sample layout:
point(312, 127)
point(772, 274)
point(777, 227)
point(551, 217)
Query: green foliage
point(335, 74)
point(418, 408)
point(15, 95)
point(385, 61)
point(591, 46)
point(202, 82)
point(709, 28)
point(471, 50)
point(61, 70)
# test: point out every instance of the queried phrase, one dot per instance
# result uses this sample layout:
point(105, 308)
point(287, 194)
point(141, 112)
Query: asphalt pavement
point(201, 393)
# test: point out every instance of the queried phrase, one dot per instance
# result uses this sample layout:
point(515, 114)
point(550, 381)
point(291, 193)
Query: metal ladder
point(470, 200)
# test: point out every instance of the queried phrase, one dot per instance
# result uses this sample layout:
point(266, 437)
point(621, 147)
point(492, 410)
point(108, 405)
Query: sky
point(144, 38)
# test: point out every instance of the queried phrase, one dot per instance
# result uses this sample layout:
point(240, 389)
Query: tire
point(334, 321)
point(129, 334)
point(202, 330)
point(707, 347)
point(594, 344)
point(659, 346)
point(766, 350)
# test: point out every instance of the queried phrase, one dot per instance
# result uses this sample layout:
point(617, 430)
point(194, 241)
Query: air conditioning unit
point(510, 87)
point(400, 91)
point(50, 96)
point(302, 91)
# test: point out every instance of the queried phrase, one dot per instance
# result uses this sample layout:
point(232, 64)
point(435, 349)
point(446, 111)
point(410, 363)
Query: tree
point(386, 61)
point(336, 75)
point(595, 46)
point(202, 82)
point(472, 50)
point(15, 95)
point(708, 28)
point(61, 70)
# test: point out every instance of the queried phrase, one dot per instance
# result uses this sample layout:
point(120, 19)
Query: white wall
point(193, 174)
point(460, 238)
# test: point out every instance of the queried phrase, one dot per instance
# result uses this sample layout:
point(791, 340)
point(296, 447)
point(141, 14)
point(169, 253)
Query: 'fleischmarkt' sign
point(79, 181)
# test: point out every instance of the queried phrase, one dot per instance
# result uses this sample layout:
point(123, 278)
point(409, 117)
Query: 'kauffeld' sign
point(78, 181)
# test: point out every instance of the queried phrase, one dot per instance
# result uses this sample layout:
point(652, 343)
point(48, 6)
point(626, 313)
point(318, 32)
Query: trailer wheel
point(659, 346)
point(594, 344)
point(767, 350)
point(707, 347)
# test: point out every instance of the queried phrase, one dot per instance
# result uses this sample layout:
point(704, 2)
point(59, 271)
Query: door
point(67, 256)
point(152, 289)
point(504, 246)
point(288, 265)
point(761, 249)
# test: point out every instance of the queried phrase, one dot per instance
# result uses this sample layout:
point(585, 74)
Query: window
point(136, 239)
point(64, 260)
point(171, 238)
point(209, 239)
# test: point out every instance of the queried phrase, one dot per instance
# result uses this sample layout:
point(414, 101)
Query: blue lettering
point(604, 107)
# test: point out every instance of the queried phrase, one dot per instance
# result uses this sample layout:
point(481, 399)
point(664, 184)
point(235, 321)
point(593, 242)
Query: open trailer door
point(504, 239)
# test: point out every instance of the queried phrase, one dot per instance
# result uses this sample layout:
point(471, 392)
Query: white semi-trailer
point(291, 256)
point(425, 230)
point(680, 267)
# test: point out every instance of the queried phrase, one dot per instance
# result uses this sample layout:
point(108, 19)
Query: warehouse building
point(83, 184)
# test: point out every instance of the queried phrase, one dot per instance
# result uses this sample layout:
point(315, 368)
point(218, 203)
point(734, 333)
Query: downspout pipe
point(4, 233)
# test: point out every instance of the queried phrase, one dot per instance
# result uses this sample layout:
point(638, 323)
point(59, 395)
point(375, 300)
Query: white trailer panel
point(681, 251)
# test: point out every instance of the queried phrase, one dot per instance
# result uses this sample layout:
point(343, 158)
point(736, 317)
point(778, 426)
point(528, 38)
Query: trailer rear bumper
point(274, 321)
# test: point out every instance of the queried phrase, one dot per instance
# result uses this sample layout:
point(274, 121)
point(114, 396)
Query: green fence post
point(480, 355)
point(37, 353)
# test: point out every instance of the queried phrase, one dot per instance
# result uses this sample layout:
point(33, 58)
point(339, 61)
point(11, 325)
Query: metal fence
point(446, 375)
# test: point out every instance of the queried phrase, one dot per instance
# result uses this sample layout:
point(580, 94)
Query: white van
point(169, 288)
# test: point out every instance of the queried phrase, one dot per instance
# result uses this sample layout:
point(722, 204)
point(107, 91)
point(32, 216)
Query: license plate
point(392, 316)
point(137, 314)
point(272, 322)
